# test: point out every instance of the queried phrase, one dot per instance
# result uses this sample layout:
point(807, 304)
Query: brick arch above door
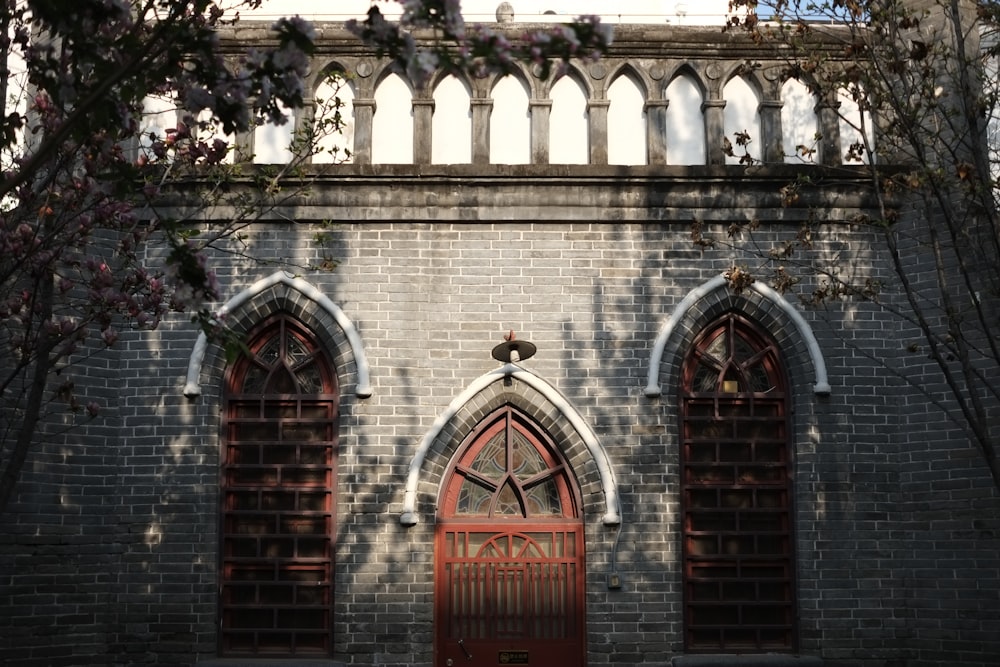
point(475, 402)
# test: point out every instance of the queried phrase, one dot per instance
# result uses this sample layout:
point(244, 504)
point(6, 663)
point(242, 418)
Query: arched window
point(737, 523)
point(626, 122)
point(510, 470)
point(334, 100)
point(392, 124)
point(685, 129)
point(742, 115)
point(278, 501)
point(799, 125)
point(569, 140)
point(451, 126)
point(272, 143)
point(856, 128)
point(510, 122)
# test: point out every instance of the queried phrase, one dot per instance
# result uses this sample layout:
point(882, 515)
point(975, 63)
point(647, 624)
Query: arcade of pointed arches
point(615, 112)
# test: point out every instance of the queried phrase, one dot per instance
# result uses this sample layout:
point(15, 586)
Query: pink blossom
point(109, 336)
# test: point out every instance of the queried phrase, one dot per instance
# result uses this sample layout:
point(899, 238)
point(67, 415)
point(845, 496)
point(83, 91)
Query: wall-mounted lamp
point(511, 351)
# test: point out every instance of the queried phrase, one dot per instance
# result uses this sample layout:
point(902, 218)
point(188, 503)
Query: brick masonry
point(109, 554)
point(111, 548)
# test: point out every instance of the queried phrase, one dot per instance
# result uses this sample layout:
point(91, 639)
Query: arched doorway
point(509, 551)
point(739, 564)
point(277, 495)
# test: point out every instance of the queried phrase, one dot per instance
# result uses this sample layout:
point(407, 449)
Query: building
point(524, 420)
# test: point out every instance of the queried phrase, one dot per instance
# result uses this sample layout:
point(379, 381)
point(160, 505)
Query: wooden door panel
point(511, 597)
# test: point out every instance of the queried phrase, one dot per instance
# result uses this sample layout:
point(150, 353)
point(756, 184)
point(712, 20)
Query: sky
point(678, 12)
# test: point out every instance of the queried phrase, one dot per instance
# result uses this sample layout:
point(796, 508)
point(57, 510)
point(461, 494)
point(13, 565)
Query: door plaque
point(513, 658)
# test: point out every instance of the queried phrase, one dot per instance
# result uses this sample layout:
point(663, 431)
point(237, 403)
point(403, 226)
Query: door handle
point(461, 645)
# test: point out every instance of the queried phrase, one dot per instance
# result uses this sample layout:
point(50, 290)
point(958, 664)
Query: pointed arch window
point(736, 493)
point(511, 469)
point(569, 140)
point(278, 501)
point(685, 125)
point(627, 121)
point(510, 122)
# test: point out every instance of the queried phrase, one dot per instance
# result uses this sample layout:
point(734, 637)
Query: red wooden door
point(509, 570)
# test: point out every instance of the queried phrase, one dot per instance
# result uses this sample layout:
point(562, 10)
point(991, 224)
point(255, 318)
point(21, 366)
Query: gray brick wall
point(110, 553)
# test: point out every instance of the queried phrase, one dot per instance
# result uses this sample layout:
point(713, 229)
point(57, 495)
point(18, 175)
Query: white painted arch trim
point(612, 514)
point(364, 388)
point(822, 385)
